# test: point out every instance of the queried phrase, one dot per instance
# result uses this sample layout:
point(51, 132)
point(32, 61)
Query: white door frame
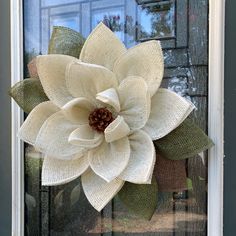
point(216, 116)
point(215, 121)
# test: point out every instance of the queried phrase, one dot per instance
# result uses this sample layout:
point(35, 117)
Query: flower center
point(100, 118)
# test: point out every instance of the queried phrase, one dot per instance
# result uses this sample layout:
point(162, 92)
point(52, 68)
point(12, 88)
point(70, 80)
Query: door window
point(182, 28)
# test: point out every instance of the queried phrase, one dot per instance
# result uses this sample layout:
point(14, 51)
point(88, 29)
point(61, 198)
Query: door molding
point(215, 118)
point(17, 119)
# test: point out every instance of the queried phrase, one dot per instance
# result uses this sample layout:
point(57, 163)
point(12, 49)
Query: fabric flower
point(105, 110)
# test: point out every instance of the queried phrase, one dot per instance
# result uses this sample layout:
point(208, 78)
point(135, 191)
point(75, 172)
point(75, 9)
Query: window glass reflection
point(181, 26)
point(156, 20)
point(132, 21)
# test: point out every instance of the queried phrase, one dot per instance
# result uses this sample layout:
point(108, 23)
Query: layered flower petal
point(116, 130)
point(78, 110)
point(53, 137)
point(168, 111)
point(144, 60)
point(51, 70)
point(109, 97)
point(86, 80)
point(98, 191)
point(34, 121)
point(110, 159)
point(85, 136)
point(55, 171)
point(142, 159)
point(134, 102)
point(102, 47)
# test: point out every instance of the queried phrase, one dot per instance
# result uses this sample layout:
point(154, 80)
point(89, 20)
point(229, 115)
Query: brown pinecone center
point(100, 118)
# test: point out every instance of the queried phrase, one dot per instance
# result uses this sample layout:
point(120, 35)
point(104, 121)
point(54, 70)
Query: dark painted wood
point(5, 125)
point(230, 118)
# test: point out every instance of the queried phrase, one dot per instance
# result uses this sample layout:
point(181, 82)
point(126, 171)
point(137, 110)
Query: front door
point(182, 28)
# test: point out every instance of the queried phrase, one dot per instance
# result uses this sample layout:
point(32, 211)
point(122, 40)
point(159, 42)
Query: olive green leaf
point(28, 93)
point(184, 142)
point(140, 199)
point(65, 41)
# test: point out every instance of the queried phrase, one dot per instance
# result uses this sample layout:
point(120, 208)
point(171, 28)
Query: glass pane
point(156, 20)
point(182, 28)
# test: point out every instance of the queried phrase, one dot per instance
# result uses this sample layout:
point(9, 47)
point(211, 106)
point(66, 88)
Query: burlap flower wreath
point(99, 117)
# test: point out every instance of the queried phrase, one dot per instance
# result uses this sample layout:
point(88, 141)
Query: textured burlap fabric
point(65, 41)
point(170, 174)
point(34, 121)
point(56, 171)
point(144, 60)
point(142, 159)
point(55, 128)
point(140, 199)
point(98, 191)
point(102, 47)
point(184, 142)
point(28, 93)
point(168, 111)
point(52, 73)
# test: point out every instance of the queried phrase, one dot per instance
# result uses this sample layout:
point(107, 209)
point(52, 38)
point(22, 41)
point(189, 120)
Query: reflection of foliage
point(28, 56)
point(130, 26)
point(65, 207)
point(32, 169)
point(70, 209)
point(161, 20)
point(113, 22)
point(160, 16)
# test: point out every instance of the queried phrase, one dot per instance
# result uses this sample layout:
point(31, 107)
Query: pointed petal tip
point(168, 111)
point(98, 191)
point(102, 47)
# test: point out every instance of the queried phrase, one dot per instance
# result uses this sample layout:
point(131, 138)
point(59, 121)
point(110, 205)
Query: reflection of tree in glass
point(71, 211)
point(161, 24)
point(161, 21)
point(113, 22)
point(130, 26)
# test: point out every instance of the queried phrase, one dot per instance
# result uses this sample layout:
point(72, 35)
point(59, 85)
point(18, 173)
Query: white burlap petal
point(85, 136)
point(34, 121)
point(109, 97)
point(51, 70)
point(116, 130)
point(102, 47)
point(55, 171)
point(142, 159)
point(144, 60)
point(109, 159)
point(78, 110)
point(134, 102)
point(168, 111)
point(98, 191)
point(53, 136)
point(86, 80)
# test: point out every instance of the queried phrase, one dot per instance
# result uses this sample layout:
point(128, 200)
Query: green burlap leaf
point(184, 142)
point(140, 199)
point(65, 41)
point(28, 93)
